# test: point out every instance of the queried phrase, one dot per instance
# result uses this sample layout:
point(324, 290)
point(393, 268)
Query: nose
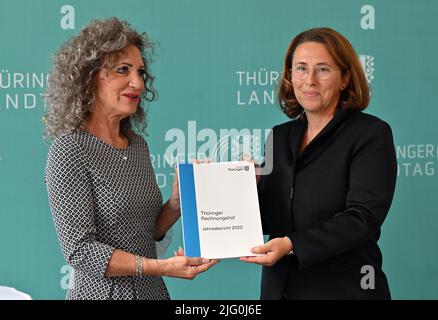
point(136, 81)
point(311, 77)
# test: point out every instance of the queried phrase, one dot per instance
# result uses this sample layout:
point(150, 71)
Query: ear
point(345, 80)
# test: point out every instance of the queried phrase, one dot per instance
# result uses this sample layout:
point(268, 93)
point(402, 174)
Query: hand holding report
point(219, 209)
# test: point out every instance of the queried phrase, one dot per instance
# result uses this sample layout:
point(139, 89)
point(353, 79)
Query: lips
point(311, 93)
point(132, 96)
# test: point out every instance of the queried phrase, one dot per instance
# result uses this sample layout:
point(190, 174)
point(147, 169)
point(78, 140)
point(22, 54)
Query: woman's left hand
point(173, 201)
point(179, 252)
point(272, 251)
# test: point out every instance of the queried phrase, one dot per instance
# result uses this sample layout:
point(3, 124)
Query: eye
point(142, 73)
point(301, 68)
point(323, 69)
point(122, 70)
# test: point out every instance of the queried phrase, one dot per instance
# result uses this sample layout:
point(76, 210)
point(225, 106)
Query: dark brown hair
point(357, 93)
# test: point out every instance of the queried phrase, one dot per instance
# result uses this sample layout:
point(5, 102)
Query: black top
point(331, 200)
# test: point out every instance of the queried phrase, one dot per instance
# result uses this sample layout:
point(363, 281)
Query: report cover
point(219, 209)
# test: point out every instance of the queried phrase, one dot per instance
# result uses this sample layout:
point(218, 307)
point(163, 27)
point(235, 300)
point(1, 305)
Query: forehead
point(312, 52)
point(132, 55)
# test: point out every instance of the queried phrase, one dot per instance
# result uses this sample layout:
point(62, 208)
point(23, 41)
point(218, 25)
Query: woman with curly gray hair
point(106, 206)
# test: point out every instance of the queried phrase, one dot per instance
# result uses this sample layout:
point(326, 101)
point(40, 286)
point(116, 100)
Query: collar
point(298, 128)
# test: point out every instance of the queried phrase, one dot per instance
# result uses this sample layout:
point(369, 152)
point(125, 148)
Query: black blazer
point(331, 201)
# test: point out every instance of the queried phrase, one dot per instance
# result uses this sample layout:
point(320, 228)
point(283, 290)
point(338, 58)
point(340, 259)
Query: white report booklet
point(219, 209)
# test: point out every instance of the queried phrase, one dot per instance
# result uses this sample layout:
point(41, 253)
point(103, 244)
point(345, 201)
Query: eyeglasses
point(301, 72)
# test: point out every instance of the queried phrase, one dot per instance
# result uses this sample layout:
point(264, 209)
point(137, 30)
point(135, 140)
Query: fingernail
point(205, 260)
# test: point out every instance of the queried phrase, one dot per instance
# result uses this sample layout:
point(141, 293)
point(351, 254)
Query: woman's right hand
point(184, 267)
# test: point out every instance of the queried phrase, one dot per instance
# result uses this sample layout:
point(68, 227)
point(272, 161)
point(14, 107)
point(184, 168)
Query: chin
point(312, 108)
point(129, 110)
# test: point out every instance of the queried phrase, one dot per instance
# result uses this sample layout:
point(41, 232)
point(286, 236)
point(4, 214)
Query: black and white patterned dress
point(104, 198)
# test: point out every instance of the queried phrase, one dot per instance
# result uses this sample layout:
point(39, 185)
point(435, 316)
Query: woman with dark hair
point(106, 205)
point(332, 182)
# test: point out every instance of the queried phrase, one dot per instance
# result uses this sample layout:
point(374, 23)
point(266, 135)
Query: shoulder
point(137, 140)
point(282, 132)
point(65, 143)
point(369, 131)
point(66, 150)
point(66, 160)
point(367, 123)
point(284, 128)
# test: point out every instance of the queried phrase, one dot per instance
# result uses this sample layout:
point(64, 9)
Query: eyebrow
point(318, 64)
point(130, 65)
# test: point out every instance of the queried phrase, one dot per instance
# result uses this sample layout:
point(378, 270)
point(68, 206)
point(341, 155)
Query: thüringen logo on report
point(238, 168)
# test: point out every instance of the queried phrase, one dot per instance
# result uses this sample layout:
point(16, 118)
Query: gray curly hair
point(70, 93)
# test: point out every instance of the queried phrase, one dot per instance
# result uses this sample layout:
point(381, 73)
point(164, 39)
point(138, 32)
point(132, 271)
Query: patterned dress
point(104, 198)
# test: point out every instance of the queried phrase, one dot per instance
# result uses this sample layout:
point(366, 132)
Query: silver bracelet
point(138, 265)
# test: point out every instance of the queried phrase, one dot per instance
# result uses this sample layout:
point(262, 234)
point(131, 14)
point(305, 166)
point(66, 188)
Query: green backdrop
point(216, 68)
